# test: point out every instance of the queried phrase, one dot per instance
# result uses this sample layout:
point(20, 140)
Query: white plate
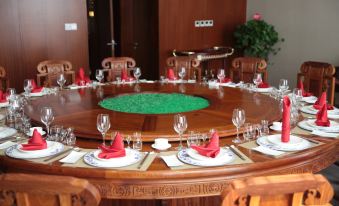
point(334, 126)
point(37, 94)
point(288, 147)
point(50, 146)
point(6, 132)
point(184, 157)
point(275, 128)
point(310, 99)
point(127, 157)
point(332, 114)
point(276, 139)
point(4, 104)
point(15, 153)
point(263, 90)
point(195, 155)
point(162, 148)
point(133, 157)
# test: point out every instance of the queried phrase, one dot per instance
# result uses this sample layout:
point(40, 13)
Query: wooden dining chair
point(243, 69)
point(191, 63)
point(45, 190)
point(318, 77)
point(49, 70)
point(114, 65)
point(280, 190)
point(4, 83)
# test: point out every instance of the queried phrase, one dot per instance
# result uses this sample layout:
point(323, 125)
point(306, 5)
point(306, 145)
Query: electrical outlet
point(197, 23)
point(71, 26)
point(202, 23)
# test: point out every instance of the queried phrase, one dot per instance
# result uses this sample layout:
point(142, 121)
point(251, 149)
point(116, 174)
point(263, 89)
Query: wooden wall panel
point(33, 30)
point(176, 24)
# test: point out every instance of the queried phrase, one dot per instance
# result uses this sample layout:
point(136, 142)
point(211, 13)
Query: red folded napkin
point(35, 88)
point(3, 97)
point(211, 149)
point(321, 101)
point(170, 74)
point(285, 128)
point(263, 85)
point(82, 79)
point(322, 119)
point(115, 150)
point(301, 87)
point(225, 80)
point(125, 77)
point(36, 142)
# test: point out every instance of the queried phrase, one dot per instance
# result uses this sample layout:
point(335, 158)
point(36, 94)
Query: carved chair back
point(4, 83)
point(114, 65)
point(318, 77)
point(191, 64)
point(243, 69)
point(28, 189)
point(292, 190)
point(49, 70)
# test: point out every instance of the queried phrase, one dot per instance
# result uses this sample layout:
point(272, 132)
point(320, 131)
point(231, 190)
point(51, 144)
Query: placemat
point(252, 144)
point(187, 166)
point(135, 166)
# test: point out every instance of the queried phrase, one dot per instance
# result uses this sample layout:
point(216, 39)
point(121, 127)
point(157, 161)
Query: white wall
point(310, 29)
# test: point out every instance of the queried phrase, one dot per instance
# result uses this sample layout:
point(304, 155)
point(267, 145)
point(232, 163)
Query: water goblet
point(221, 75)
point(180, 126)
point(128, 140)
point(61, 80)
point(137, 73)
point(103, 125)
point(28, 86)
point(257, 79)
point(10, 93)
point(238, 119)
point(47, 117)
point(283, 85)
point(182, 73)
point(99, 75)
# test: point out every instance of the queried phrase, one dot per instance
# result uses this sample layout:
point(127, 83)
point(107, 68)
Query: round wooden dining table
point(203, 185)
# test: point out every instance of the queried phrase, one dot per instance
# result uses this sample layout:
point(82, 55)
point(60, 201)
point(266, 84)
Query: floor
point(332, 174)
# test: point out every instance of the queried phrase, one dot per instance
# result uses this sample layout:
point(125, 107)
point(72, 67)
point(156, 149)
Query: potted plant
point(257, 38)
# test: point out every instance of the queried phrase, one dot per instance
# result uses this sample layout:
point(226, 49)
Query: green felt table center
point(154, 103)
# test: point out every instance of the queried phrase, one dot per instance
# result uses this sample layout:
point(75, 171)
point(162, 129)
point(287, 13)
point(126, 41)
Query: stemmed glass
point(257, 79)
point(283, 85)
point(180, 126)
point(182, 73)
point(61, 80)
point(47, 117)
point(137, 73)
point(298, 96)
point(128, 139)
point(221, 75)
point(238, 120)
point(99, 75)
point(103, 125)
point(10, 93)
point(28, 86)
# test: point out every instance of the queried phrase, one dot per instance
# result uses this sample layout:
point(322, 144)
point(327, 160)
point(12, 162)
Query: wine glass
point(180, 126)
point(297, 96)
point(257, 79)
point(28, 86)
point(99, 75)
point(10, 93)
point(283, 85)
point(61, 80)
point(47, 117)
point(182, 73)
point(221, 75)
point(103, 125)
point(238, 119)
point(137, 73)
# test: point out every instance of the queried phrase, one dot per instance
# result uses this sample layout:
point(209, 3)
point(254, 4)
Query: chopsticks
point(232, 148)
point(143, 160)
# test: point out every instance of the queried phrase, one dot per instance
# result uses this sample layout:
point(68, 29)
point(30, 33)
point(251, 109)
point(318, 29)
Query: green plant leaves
point(257, 38)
